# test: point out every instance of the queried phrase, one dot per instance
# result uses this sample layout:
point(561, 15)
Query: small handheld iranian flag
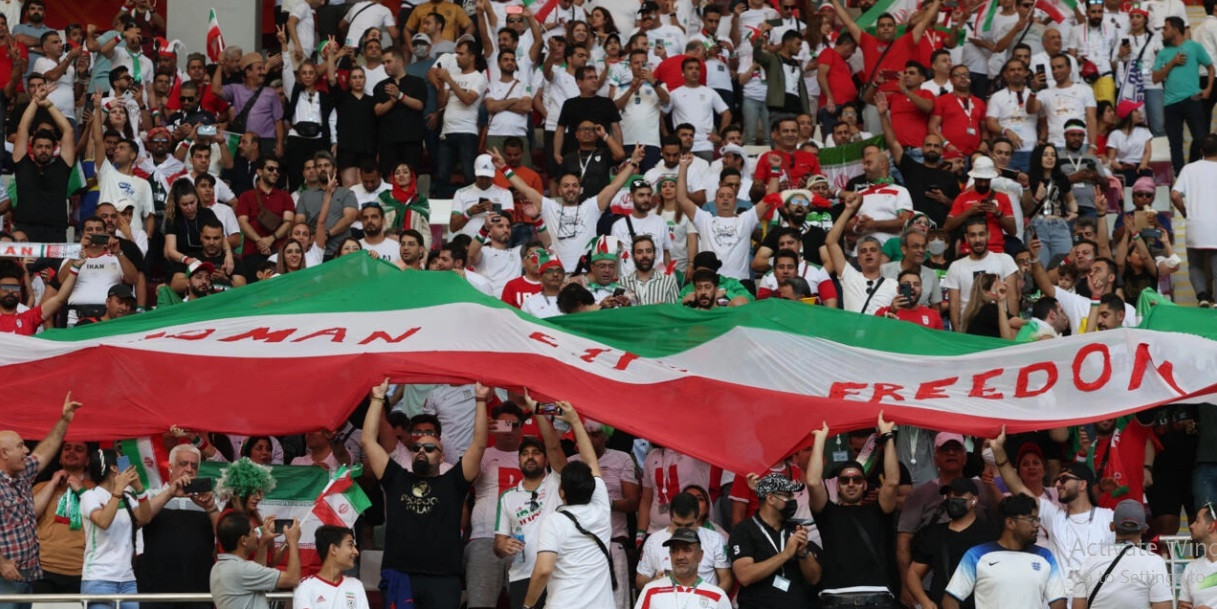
point(543, 10)
point(1057, 10)
point(342, 501)
point(149, 457)
point(215, 40)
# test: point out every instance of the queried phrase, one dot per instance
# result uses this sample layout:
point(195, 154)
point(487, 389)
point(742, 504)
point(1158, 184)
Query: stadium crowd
point(962, 165)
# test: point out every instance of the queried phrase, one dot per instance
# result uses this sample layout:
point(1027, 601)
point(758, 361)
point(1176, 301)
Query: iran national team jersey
point(665, 594)
point(999, 577)
point(500, 266)
point(521, 512)
point(316, 593)
point(885, 202)
point(666, 472)
point(500, 471)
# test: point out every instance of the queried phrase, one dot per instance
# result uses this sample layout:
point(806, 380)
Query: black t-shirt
point(357, 121)
point(187, 232)
point(848, 560)
point(754, 539)
point(401, 124)
point(985, 321)
point(815, 232)
point(217, 285)
point(179, 550)
point(42, 192)
point(918, 178)
point(600, 110)
point(423, 520)
point(591, 167)
point(942, 549)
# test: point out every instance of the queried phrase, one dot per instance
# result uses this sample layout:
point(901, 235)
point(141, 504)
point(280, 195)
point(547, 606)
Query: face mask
point(9, 301)
point(937, 247)
point(789, 509)
point(421, 52)
point(957, 507)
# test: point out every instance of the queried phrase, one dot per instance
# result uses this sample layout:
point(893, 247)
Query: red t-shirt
point(910, 123)
point(1126, 466)
point(796, 168)
point(276, 202)
point(931, 41)
point(969, 197)
point(518, 289)
point(25, 323)
point(920, 315)
point(963, 121)
point(902, 51)
point(840, 78)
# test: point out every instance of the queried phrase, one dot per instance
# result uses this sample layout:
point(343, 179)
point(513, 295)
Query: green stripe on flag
point(849, 153)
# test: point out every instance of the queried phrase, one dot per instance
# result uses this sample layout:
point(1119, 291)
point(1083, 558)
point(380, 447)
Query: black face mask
point(9, 301)
point(957, 507)
point(789, 509)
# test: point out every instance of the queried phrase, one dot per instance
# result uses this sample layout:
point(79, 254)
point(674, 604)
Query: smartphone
point(774, 22)
point(933, 187)
point(206, 130)
point(1146, 233)
point(1039, 69)
point(1124, 42)
point(282, 523)
point(619, 292)
point(514, 10)
point(548, 408)
point(1033, 235)
point(124, 462)
point(1010, 173)
point(99, 239)
point(906, 292)
point(890, 74)
point(200, 485)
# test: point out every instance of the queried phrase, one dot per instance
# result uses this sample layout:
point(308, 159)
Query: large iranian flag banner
point(736, 387)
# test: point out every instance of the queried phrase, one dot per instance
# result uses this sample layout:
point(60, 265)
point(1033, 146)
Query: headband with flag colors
point(215, 40)
point(544, 260)
point(768, 372)
point(604, 247)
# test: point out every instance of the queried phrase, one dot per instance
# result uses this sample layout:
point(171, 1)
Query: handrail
point(117, 599)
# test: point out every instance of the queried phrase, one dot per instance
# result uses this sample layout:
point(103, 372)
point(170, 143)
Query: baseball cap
point(1125, 107)
point(648, 7)
point(682, 535)
point(483, 167)
point(1078, 470)
point(733, 149)
point(961, 484)
point(776, 483)
point(944, 436)
point(1129, 517)
point(123, 204)
point(421, 39)
point(120, 291)
point(195, 265)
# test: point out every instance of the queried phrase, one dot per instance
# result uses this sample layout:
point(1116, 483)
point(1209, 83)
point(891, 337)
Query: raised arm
point(833, 240)
point(850, 24)
point(1042, 281)
point(376, 456)
point(930, 14)
point(549, 435)
point(67, 141)
point(623, 175)
point(1008, 474)
point(582, 441)
point(471, 461)
point(816, 491)
point(891, 465)
point(687, 206)
point(516, 181)
point(889, 134)
point(22, 142)
point(49, 446)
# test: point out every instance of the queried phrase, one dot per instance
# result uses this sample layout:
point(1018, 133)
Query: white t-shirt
point(678, 234)
point(855, 294)
point(305, 28)
point(469, 196)
point(313, 256)
point(107, 551)
point(500, 471)
point(114, 185)
point(454, 405)
point(500, 266)
point(1077, 309)
point(616, 467)
point(1195, 585)
point(459, 117)
point(521, 512)
point(1147, 58)
point(540, 305)
point(1074, 538)
point(1139, 578)
point(1096, 45)
point(1010, 114)
point(813, 274)
point(93, 283)
point(1061, 105)
point(998, 28)
point(387, 249)
point(316, 593)
point(652, 224)
point(363, 16)
point(1042, 59)
point(508, 122)
point(885, 202)
point(697, 106)
point(997, 577)
point(571, 227)
point(655, 558)
point(641, 115)
point(664, 594)
point(700, 178)
point(61, 92)
point(729, 238)
point(1197, 182)
point(666, 472)
point(670, 37)
point(1130, 148)
point(581, 574)
point(962, 273)
point(557, 90)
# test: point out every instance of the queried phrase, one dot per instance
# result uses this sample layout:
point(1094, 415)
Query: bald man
point(19, 564)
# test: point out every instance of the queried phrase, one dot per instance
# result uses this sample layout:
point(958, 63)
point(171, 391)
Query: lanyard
point(692, 590)
point(583, 164)
point(965, 105)
point(776, 547)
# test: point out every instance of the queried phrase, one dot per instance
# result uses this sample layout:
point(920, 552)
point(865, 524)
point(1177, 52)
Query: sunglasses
point(428, 448)
point(160, 140)
point(851, 479)
point(1208, 507)
point(6, 287)
point(1066, 479)
point(187, 98)
point(271, 169)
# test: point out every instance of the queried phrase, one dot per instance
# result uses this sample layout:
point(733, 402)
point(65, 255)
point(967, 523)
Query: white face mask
point(936, 247)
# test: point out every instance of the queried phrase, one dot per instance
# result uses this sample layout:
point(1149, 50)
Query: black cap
point(682, 535)
point(961, 484)
point(121, 291)
point(706, 260)
point(1078, 470)
point(648, 7)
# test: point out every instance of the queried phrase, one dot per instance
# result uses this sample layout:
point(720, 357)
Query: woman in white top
point(113, 510)
point(1129, 145)
point(680, 229)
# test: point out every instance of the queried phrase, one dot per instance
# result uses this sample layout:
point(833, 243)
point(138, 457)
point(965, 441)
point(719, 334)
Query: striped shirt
point(667, 594)
point(18, 532)
point(660, 288)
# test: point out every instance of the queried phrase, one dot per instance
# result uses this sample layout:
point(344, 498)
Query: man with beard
point(523, 506)
point(374, 240)
point(491, 254)
point(963, 271)
point(265, 117)
point(701, 178)
point(726, 234)
point(1076, 527)
point(197, 277)
point(1095, 41)
point(907, 307)
point(1012, 571)
point(1066, 102)
point(27, 322)
point(211, 234)
point(642, 222)
point(519, 289)
point(1195, 591)
point(61, 546)
point(865, 289)
point(411, 251)
point(706, 293)
point(1109, 314)
point(1148, 584)
point(808, 214)
point(649, 285)
point(931, 184)
point(343, 208)
point(423, 509)
point(1081, 310)
point(1081, 164)
point(940, 546)
point(793, 164)
point(160, 167)
point(981, 200)
point(856, 534)
point(685, 553)
point(40, 174)
point(545, 302)
point(1048, 320)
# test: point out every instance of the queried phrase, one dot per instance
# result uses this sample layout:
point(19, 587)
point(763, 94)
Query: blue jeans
point(1153, 111)
point(11, 587)
point(1054, 235)
point(1191, 112)
point(755, 110)
point(1204, 483)
point(96, 586)
point(452, 148)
